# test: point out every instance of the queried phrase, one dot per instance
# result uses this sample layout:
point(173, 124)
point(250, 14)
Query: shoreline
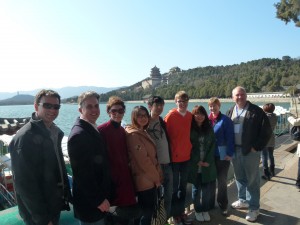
point(254, 100)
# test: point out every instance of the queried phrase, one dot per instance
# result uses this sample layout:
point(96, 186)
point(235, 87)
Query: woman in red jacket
point(115, 138)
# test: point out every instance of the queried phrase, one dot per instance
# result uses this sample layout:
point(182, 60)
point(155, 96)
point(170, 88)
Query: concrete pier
point(280, 200)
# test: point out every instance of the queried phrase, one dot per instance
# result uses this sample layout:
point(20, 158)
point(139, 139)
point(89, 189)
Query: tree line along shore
point(251, 99)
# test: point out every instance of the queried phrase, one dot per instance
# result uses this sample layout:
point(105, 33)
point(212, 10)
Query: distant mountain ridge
point(18, 100)
point(65, 92)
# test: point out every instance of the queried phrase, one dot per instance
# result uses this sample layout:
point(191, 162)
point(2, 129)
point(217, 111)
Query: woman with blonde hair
point(224, 149)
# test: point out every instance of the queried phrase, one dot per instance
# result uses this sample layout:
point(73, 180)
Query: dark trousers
point(180, 175)
point(222, 171)
point(203, 194)
point(298, 176)
point(147, 200)
point(268, 153)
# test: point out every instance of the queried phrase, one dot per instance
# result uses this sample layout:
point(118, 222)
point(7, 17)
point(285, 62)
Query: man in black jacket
point(252, 131)
point(89, 161)
point(40, 176)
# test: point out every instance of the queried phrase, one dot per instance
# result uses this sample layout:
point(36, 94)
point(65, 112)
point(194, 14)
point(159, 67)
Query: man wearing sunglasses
point(40, 178)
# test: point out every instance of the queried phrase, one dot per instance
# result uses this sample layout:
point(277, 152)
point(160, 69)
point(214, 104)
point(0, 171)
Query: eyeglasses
point(182, 101)
point(198, 114)
point(49, 105)
point(114, 111)
point(140, 116)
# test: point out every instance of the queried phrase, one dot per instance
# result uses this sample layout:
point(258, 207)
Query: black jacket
point(38, 173)
point(91, 176)
point(256, 128)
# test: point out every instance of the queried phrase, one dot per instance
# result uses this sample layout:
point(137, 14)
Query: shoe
point(240, 205)
point(177, 220)
point(272, 171)
point(206, 216)
point(186, 219)
point(199, 216)
point(224, 212)
point(266, 177)
point(297, 186)
point(252, 215)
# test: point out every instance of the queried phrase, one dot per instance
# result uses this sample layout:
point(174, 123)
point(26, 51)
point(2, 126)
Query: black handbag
point(295, 133)
point(160, 215)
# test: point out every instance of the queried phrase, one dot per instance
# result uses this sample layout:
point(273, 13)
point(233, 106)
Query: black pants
point(147, 200)
point(222, 171)
point(298, 176)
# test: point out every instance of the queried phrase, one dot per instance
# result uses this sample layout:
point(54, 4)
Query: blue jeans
point(267, 153)
point(168, 186)
point(203, 194)
point(246, 171)
point(180, 175)
point(222, 167)
point(99, 222)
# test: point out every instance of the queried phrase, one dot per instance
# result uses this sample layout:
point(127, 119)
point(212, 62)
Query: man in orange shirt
point(178, 124)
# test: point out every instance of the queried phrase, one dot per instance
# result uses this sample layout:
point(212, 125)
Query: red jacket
point(115, 138)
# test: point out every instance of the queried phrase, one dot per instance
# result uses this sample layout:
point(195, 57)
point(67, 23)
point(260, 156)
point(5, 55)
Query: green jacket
point(208, 173)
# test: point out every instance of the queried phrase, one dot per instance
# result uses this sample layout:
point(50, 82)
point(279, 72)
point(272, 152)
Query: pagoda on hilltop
point(155, 79)
point(155, 76)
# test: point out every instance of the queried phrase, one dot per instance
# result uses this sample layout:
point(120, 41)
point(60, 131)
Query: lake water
point(68, 113)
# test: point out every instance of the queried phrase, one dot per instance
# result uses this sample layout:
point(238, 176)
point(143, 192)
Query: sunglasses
point(114, 111)
point(49, 105)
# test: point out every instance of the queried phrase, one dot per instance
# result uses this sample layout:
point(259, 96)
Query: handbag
point(295, 133)
point(159, 215)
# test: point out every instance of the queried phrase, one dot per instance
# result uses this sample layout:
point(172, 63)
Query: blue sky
point(58, 43)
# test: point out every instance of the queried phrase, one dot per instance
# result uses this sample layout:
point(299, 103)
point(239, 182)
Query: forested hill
point(263, 75)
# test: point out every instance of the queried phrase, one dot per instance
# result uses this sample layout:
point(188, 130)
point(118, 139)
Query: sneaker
point(206, 216)
point(252, 215)
point(239, 205)
point(199, 216)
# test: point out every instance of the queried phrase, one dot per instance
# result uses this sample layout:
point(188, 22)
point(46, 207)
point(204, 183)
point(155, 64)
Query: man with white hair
point(252, 131)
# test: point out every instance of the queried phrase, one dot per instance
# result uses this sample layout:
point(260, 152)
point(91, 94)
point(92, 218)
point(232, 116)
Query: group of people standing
point(119, 172)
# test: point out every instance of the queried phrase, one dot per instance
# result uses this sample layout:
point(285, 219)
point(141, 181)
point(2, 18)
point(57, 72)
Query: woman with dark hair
point(145, 169)
point(202, 168)
point(268, 151)
point(115, 137)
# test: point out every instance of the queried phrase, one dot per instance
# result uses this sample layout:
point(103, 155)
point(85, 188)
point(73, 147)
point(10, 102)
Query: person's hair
point(134, 115)
point(269, 107)
point(205, 127)
point(114, 100)
point(85, 95)
point(155, 99)
point(47, 93)
point(239, 87)
point(214, 100)
point(182, 95)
